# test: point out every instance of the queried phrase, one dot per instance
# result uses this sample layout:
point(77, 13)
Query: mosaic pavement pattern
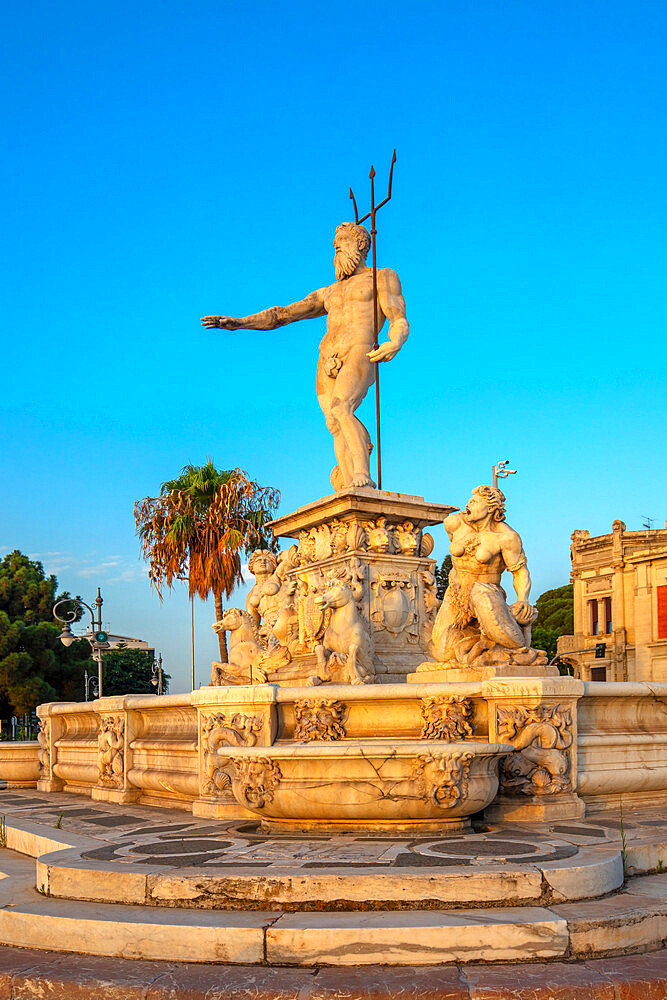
point(172, 839)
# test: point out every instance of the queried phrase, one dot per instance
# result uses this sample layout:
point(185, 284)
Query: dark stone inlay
point(176, 861)
point(107, 853)
point(615, 824)
point(580, 831)
point(161, 829)
point(423, 861)
point(482, 848)
point(174, 846)
point(24, 802)
point(116, 821)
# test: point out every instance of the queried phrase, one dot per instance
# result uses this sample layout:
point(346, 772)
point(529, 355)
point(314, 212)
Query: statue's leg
point(342, 473)
point(443, 621)
point(494, 616)
point(354, 379)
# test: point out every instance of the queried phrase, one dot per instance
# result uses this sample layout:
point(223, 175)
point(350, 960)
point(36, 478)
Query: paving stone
point(537, 982)
point(81, 977)
point(19, 960)
point(378, 983)
point(635, 977)
point(220, 982)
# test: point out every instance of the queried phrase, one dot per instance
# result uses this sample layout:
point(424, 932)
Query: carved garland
point(319, 719)
point(446, 717)
point(442, 778)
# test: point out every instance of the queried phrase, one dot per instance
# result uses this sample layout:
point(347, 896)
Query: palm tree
point(198, 527)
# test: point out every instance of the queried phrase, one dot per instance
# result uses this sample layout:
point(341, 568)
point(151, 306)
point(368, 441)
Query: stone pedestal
point(377, 540)
point(440, 673)
point(114, 752)
point(235, 716)
point(538, 716)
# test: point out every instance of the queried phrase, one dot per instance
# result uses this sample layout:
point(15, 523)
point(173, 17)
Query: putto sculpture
point(346, 365)
point(475, 626)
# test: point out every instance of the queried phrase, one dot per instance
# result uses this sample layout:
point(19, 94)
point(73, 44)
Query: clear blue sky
point(167, 160)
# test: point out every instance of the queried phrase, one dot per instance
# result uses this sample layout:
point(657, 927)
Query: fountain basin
point(378, 787)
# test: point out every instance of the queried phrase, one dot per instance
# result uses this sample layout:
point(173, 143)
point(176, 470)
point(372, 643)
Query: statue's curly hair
point(494, 499)
point(360, 234)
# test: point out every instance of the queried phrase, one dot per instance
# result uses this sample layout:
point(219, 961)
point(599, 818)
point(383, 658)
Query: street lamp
point(156, 679)
point(87, 681)
point(97, 637)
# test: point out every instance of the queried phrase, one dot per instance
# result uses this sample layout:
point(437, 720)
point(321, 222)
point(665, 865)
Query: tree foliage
point(442, 576)
point(556, 618)
point(198, 527)
point(34, 665)
point(130, 671)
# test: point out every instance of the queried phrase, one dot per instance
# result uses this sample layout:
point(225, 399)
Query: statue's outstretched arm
point(269, 319)
point(392, 303)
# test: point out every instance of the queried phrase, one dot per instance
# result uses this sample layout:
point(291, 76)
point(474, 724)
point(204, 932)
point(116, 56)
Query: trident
point(371, 215)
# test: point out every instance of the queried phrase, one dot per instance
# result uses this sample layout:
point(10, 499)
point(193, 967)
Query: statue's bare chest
point(349, 293)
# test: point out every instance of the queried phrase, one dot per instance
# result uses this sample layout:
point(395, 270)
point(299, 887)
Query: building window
point(607, 616)
point(598, 673)
point(662, 611)
point(595, 625)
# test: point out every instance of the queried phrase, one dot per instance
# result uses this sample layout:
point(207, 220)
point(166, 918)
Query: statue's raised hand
point(221, 322)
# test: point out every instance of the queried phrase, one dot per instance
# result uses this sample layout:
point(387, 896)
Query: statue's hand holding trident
point(348, 355)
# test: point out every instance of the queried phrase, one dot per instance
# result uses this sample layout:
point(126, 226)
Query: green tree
point(34, 665)
point(556, 617)
point(130, 671)
point(197, 528)
point(442, 576)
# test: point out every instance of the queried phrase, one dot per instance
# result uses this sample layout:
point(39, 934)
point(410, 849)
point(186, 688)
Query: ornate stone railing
point(573, 741)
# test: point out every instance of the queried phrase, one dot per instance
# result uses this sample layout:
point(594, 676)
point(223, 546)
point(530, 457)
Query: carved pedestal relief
point(394, 605)
point(446, 718)
point(442, 778)
point(44, 752)
point(111, 750)
point(218, 730)
point(256, 778)
point(319, 719)
point(542, 737)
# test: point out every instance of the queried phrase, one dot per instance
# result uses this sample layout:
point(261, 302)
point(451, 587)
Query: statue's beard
point(345, 262)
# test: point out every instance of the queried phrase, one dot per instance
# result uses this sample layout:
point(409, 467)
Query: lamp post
point(156, 679)
point(97, 637)
point(87, 681)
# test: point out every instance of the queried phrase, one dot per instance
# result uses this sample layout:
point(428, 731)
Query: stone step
point(81, 869)
point(634, 919)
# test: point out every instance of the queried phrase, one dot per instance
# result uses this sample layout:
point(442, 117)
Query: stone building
point(620, 598)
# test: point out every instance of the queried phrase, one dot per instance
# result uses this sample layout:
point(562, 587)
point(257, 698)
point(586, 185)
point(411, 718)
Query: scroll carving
point(442, 778)
point(216, 731)
point(111, 750)
point(319, 719)
point(542, 736)
point(257, 778)
point(446, 718)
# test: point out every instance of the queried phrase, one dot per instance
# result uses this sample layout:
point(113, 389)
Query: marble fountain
point(362, 725)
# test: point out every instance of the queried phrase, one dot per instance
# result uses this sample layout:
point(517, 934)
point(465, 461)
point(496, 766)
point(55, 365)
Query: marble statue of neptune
point(346, 365)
